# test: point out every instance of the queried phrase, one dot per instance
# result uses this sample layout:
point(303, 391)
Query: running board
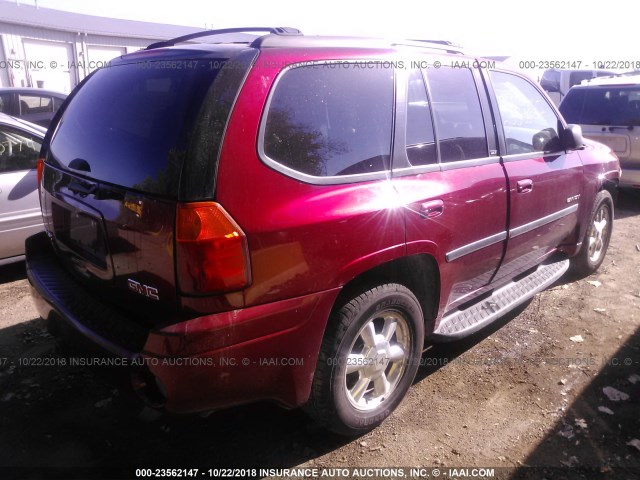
point(461, 323)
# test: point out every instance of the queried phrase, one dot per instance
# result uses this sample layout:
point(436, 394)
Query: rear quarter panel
point(303, 238)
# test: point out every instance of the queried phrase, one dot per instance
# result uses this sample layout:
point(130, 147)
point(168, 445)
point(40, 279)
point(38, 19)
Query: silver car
point(20, 215)
point(608, 110)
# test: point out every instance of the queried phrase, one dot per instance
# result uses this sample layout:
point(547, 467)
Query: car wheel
point(368, 360)
point(596, 239)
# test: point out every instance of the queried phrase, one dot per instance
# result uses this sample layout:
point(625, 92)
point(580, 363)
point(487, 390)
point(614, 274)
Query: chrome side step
point(461, 323)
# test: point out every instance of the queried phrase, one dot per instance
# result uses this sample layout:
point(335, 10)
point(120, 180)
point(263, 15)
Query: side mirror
point(572, 137)
point(546, 141)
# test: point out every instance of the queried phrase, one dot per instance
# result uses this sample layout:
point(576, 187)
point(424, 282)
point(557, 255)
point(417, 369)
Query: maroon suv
point(295, 218)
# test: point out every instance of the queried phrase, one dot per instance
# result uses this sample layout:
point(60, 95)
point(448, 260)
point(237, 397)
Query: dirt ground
point(552, 391)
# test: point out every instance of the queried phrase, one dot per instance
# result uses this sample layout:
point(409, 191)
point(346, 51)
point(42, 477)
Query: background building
point(51, 49)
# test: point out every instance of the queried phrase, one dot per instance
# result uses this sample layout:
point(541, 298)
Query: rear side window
point(421, 146)
point(330, 120)
point(458, 116)
point(606, 105)
point(35, 104)
point(529, 123)
point(130, 124)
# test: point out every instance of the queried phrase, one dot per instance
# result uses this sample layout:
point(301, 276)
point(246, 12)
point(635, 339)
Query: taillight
point(211, 250)
point(40, 168)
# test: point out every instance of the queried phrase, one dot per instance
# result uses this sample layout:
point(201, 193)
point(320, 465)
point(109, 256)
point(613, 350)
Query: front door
point(545, 182)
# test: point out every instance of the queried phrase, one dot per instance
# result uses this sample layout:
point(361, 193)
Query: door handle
point(524, 186)
point(431, 209)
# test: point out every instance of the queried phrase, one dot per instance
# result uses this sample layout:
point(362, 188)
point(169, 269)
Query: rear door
point(451, 180)
point(545, 182)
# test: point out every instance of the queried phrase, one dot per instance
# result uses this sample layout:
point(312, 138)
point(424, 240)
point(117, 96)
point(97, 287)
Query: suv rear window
point(130, 124)
point(331, 119)
point(606, 105)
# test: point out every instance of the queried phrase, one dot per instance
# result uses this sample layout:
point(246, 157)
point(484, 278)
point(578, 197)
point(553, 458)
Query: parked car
point(294, 218)
point(558, 82)
point(20, 215)
point(35, 105)
point(608, 110)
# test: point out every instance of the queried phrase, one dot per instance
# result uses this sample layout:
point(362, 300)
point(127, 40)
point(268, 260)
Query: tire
point(596, 239)
point(355, 386)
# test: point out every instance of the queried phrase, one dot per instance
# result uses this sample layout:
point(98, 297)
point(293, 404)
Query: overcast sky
point(532, 30)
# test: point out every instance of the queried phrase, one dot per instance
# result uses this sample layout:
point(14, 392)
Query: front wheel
point(368, 360)
point(597, 237)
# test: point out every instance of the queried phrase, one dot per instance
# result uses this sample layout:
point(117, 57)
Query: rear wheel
point(368, 360)
point(596, 239)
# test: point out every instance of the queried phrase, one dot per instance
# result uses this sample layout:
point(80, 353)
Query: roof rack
point(443, 45)
point(440, 42)
point(620, 79)
point(222, 31)
point(304, 41)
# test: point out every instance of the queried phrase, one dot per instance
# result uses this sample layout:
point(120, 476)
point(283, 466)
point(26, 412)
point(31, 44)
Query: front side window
point(330, 120)
point(18, 150)
point(458, 116)
point(529, 123)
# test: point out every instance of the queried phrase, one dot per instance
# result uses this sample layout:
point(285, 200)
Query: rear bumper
point(266, 352)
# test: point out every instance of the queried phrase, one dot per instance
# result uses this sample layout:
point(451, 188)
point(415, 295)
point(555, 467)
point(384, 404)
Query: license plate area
point(82, 233)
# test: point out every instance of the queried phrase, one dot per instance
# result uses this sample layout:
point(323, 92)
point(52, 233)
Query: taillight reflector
point(211, 250)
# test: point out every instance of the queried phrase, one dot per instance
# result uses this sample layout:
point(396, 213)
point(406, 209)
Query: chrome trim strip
point(527, 227)
point(433, 167)
point(474, 162)
point(475, 246)
point(514, 157)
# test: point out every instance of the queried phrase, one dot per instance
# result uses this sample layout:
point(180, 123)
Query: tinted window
point(459, 121)
point(606, 105)
point(530, 125)
point(18, 150)
point(327, 120)
point(421, 148)
point(129, 124)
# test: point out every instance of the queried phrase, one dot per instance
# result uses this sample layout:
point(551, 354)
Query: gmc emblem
point(140, 289)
